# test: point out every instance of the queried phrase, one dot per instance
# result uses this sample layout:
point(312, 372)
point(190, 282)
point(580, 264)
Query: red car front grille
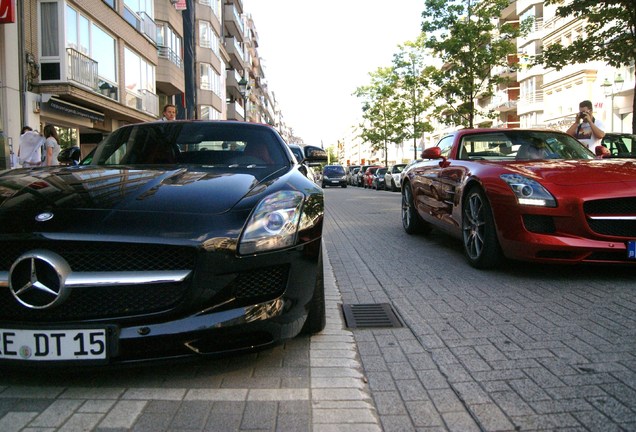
point(614, 217)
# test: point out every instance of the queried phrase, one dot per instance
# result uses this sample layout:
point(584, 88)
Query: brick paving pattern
point(526, 347)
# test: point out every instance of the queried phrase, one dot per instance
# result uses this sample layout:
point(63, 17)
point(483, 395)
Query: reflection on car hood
point(564, 172)
point(180, 190)
point(130, 202)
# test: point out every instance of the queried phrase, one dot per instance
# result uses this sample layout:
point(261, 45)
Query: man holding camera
point(586, 127)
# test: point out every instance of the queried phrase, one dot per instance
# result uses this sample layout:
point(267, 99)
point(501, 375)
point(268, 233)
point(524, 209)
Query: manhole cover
point(370, 315)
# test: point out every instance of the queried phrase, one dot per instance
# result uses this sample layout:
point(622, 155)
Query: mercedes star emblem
point(43, 217)
point(37, 279)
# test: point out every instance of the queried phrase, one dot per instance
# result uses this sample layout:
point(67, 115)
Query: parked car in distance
point(334, 175)
point(360, 177)
point(353, 177)
point(350, 172)
point(176, 239)
point(377, 181)
point(367, 179)
point(620, 145)
point(528, 195)
point(392, 177)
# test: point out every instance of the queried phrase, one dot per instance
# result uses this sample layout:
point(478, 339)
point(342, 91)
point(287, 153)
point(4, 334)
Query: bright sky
point(316, 53)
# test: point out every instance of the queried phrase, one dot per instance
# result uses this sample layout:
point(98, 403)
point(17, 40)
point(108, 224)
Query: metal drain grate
point(370, 315)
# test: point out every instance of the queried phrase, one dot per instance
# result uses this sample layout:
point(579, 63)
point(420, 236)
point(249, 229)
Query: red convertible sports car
point(530, 195)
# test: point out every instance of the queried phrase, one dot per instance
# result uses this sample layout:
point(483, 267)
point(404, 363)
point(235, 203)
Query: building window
point(169, 44)
point(139, 83)
point(140, 15)
point(146, 6)
point(207, 37)
point(49, 29)
point(209, 79)
point(91, 54)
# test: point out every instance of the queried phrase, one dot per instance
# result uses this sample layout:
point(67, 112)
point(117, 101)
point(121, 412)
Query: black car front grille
point(617, 206)
point(619, 209)
point(99, 303)
point(269, 282)
point(130, 301)
point(107, 257)
point(539, 224)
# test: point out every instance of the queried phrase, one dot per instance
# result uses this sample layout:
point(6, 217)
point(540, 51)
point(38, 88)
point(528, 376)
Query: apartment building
point(91, 66)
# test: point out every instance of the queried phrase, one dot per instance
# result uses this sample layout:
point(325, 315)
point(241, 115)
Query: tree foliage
point(410, 66)
point(383, 120)
point(468, 38)
point(610, 35)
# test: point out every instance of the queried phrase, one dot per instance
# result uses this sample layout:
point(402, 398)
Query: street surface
point(527, 347)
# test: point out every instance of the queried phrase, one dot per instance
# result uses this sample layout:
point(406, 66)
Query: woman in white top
point(51, 145)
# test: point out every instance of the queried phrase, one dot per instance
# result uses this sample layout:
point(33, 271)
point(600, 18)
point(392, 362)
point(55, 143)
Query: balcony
point(144, 101)
point(506, 105)
point(233, 22)
point(235, 111)
point(235, 51)
point(232, 83)
point(82, 69)
point(505, 72)
point(143, 23)
point(530, 103)
point(170, 55)
point(535, 33)
point(170, 72)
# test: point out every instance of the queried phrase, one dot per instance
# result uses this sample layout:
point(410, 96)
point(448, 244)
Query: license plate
point(631, 250)
point(53, 345)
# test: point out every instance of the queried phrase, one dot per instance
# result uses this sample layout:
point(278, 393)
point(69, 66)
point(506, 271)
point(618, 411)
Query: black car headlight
point(273, 223)
point(528, 191)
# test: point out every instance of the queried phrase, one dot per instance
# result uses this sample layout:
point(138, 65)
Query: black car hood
point(136, 201)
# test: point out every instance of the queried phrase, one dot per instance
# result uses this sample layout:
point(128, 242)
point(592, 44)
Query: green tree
point(467, 37)
point(383, 119)
point(410, 65)
point(610, 36)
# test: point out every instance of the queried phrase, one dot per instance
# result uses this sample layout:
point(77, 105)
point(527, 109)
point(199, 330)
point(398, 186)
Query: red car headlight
point(528, 191)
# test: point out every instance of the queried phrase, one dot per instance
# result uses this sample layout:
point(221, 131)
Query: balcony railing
point(148, 27)
point(144, 100)
point(234, 47)
point(536, 97)
point(82, 69)
point(168, 53)
point(142, 22)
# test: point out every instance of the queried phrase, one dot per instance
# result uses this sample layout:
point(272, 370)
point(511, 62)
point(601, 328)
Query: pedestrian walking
point(51, 145)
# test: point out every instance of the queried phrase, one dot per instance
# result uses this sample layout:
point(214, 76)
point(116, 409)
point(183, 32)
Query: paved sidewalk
point(520, 348)
point(340, 395)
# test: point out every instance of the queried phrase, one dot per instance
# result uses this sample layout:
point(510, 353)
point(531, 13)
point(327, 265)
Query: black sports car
point(174, 239)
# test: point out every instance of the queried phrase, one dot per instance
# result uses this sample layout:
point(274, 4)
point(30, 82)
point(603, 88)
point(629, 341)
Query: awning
point(74, 110)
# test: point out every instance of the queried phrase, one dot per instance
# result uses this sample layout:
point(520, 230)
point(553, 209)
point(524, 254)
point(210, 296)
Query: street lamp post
point(243, 89)
point(610, 89)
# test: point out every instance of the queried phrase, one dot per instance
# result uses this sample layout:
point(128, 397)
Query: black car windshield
point(522, 145)
point(333, 170)
point(198, 143)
